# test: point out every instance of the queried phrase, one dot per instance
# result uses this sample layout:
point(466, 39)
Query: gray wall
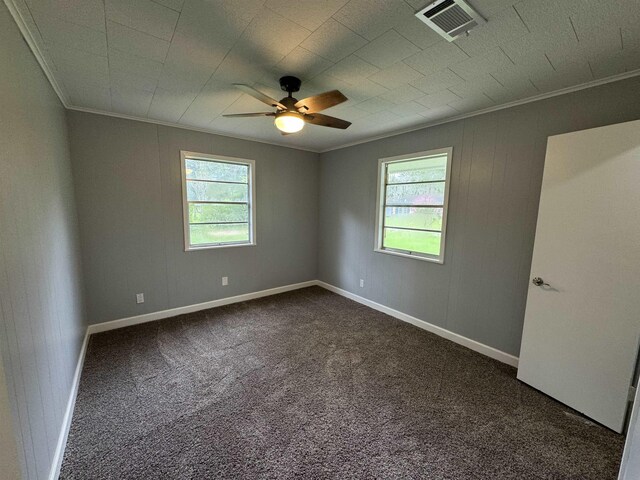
point(480, 291)
point(9, 459)
point(128, 187)
point(41, 321)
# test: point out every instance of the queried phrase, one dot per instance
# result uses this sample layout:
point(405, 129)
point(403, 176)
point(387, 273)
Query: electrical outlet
point(225, 281)
point(139, 297)
point(361, 283)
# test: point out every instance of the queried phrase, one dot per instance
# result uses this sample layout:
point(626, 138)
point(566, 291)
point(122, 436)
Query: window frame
point(184, 155)
point(380, 204)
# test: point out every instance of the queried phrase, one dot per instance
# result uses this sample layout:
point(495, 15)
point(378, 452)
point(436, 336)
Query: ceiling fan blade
point(257, 114)
point(320, 102)
point(259, 95)
point(326, 121)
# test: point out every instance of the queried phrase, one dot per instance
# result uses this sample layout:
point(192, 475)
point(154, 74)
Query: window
point(412, 204)
point(218, 201)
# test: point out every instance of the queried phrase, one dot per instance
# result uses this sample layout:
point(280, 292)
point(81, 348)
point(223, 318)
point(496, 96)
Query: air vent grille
point(438, 8)
point(450, 18)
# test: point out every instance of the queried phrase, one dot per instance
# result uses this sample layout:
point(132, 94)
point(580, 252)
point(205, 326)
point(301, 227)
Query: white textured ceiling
point(175, 60)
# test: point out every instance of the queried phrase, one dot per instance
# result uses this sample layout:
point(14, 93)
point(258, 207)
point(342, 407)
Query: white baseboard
point(68, 414)
point(150, 317)
point(442, 332)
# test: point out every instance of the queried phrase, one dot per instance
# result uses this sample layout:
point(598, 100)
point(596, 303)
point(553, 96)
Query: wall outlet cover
point(225, 280)
point(139, 297)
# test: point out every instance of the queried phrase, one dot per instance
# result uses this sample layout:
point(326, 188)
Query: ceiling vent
point(450, 18)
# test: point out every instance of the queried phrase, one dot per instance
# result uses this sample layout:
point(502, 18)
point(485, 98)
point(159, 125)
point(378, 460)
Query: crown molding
point(414, 128)
point(503, 106)
point(16, 13)
point(48, 71)
point(186, 127)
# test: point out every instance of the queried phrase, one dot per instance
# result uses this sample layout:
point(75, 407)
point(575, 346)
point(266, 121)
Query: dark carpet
point(308, 384)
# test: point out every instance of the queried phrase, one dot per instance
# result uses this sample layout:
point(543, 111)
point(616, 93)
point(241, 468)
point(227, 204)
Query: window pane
point(415, 194)
point(413, 217)
point(211, 212)
point(226, 172)
point(423, 170)
point(216, 192)
point(412, 241)
point(205, 234)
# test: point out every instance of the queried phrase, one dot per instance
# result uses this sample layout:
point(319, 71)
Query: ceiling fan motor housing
point(290, 103)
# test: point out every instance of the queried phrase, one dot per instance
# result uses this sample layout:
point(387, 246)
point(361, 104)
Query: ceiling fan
point(291, 114)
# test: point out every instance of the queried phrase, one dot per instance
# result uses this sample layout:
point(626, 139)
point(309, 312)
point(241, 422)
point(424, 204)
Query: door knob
point(539, 282)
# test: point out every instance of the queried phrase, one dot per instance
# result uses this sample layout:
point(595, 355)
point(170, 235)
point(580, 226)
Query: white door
point(581, 331)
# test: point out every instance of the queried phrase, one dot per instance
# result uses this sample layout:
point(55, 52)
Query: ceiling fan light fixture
point(289, 122)
point(291, 114)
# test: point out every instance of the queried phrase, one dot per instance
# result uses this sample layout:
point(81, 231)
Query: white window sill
point(409, 255)
point(210, 247)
